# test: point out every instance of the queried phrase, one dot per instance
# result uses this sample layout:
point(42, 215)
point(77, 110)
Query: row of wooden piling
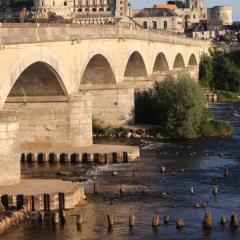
point(105, 158)
point(60, 217)
point(45, 202)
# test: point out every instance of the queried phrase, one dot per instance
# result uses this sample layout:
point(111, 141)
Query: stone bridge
point(56, 78)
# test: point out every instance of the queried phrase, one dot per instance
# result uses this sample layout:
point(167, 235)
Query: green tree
point(226, 75)
point(180, 4)
point(205, 70)
point(175, 104)
point(218, 72)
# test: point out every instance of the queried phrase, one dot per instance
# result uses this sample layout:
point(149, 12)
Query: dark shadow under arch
point(38, 79)
point(179, 62)
point(98, 71)
point(192, 60)
point(160, 64)
point(135, 66)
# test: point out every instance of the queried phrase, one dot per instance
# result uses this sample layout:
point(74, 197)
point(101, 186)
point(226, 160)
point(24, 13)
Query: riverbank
point(188, 163)
point(209, 129)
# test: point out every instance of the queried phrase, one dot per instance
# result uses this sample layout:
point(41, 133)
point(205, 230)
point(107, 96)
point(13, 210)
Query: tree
point(205, 70)
point(226, 75)
point(175, 104)
point(180, 4)
point(218, 72)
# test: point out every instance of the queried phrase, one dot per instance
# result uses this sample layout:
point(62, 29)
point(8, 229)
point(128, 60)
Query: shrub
point(215, 128)
point(226, 96)
point(175, 104)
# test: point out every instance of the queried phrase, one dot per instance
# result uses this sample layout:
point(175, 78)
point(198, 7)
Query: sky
point(208, 3)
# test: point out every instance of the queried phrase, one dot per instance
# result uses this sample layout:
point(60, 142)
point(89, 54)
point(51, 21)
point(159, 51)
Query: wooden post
point(226, 172)
point(162, 169)
point(110, 221)
point(193, 190)
point(63, 216)
point(41, 216)
point(156, 220)
point(207, 222)
point(131, 221)
point(180, 223)
point(215, 190)
point(166, 220)
point(95, 188)
point(55, 218)
point(223, 221)
point(234, 221)
point(79, 219)
point(122, 190)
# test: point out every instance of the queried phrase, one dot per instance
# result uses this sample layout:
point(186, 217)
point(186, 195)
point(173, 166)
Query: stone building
point(159, 18)
point(82, 8)
point(220, 14)
point(193, 14)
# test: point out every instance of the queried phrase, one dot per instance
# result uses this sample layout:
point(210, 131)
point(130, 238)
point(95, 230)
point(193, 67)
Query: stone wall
point(9, 157)
point(113, 106)
point(46, 122)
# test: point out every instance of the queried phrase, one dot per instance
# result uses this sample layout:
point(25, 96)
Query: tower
point(121, 8)
point(195, 4)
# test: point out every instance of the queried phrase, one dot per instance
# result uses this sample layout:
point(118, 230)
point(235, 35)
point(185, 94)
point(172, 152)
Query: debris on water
point(62, 173)
point(173, 174)
point(114, 174)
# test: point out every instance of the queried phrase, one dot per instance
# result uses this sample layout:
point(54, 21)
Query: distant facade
point(194, 13)
point(82, 8)
point(220, 14)
point(159, 18)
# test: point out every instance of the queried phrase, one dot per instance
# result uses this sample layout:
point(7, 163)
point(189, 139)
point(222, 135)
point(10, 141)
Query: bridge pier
point(9, 157)
point(113, 104)
point(47, 121)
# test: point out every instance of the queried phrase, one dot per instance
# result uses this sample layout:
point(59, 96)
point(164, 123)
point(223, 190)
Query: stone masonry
point(9, 157)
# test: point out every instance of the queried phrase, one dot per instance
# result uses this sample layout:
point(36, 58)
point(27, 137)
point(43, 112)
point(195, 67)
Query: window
point(145, 25)
point(53, 3)
point(194, 16)
point(154, 24)
point(42, 3)
point(165, 25)
point(65, 3)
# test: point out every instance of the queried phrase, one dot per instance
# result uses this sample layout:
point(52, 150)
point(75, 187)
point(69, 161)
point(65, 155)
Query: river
point(201, 170)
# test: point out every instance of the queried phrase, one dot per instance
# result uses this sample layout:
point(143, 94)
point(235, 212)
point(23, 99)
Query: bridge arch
point(43, 57)
point(98, 71)
point(135, 66)
point(192, 60)
point(179, 62)
point(38, 79)
point(160, 64)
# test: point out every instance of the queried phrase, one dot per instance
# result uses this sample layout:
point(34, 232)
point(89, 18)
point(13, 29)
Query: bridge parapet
point(33, 33)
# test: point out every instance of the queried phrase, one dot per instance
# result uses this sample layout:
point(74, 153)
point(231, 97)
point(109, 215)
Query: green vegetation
point(100, 130)
point(234, 57)
point(177, 105)
point(227, 96)
point(218, 72)
point(180, 4)
point(16, 4)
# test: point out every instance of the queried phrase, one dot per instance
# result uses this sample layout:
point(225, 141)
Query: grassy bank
point(227, 96)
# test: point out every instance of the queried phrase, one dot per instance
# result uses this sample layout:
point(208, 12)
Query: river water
point(201, 170)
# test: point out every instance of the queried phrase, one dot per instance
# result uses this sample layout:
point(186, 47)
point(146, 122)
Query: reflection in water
point(195, 164)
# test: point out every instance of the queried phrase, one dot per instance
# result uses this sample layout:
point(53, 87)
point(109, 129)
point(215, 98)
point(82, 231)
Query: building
point(159, 18)
point(221, 14)
point(82, 8)
point(193, 13)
